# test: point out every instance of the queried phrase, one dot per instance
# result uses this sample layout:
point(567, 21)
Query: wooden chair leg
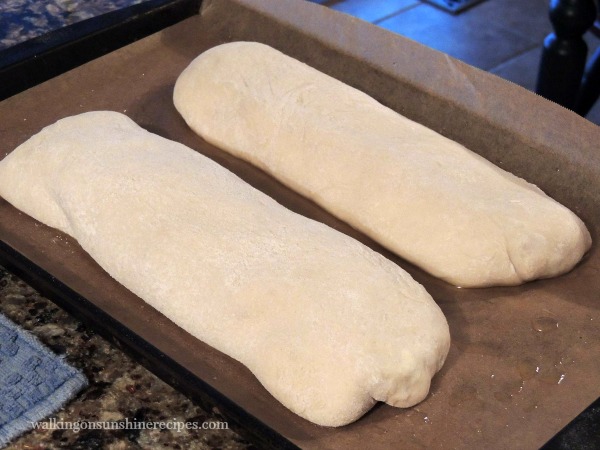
point(590, 86)
point(564, 53)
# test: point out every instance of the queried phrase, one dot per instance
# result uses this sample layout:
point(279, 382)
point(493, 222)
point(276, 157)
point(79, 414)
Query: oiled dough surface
point(423, 196)
point(327, 325)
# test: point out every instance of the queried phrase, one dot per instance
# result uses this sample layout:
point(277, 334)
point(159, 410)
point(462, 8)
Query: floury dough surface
point(421, 195)
point(327, 325)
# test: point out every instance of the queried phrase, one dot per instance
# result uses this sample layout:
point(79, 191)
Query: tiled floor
point(500, 36)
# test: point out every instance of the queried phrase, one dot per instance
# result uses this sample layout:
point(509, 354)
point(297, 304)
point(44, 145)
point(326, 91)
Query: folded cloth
point(34, 382)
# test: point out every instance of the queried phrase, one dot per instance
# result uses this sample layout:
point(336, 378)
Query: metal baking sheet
point(524, 360)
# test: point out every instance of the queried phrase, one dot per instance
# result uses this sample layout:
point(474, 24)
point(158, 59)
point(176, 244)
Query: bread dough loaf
point(421, 195)
point(327, 325)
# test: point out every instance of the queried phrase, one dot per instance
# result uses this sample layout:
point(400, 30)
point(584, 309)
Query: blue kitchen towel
point(34, 382)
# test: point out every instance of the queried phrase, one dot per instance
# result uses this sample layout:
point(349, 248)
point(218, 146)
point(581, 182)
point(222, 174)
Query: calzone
point(421, 195)
point(327, 325)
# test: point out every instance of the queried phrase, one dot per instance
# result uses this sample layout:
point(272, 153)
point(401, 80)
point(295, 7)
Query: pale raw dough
point(421, 195)
point(327, 325)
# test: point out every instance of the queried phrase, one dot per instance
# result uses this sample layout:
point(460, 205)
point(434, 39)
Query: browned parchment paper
point(524, 360)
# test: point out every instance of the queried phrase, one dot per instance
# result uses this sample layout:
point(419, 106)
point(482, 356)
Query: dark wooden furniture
point(563, 76)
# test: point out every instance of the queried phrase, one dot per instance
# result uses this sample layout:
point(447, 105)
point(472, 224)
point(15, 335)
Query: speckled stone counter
point(119, 387)
point(21, 20)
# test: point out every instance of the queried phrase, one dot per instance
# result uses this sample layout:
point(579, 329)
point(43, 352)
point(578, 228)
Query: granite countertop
point(21, 20)
point(119, 388)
